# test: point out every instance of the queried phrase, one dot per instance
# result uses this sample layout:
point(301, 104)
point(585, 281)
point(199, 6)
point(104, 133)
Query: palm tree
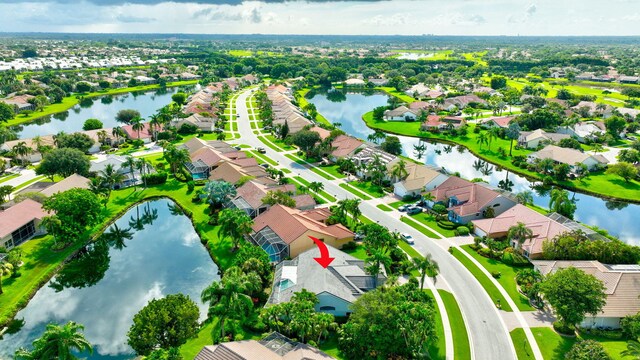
point(142, 165)
point(175, 157)
point(354, 209)
point(544, 165)
point(316, 186)
point(7, 134)
point(482, 139)
point(559, 202)
point(399, 170)
point(5, 270)
point(58, 342)
point(633, 349)
point(525, 197)
point(137, 125)
point(377, 169)
point(229, 298)
point(519, 232)
point(155, 122)
point(376, 258)
point(117, 132)
point(426, 266)
point(234, 224)
point(493, 134)
point(130, 163)
point(597, 148)
point(102, 136)
point(110, 177)
point(22, 150)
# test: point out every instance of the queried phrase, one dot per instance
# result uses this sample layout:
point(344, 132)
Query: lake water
point(164, 256)
point(103, 108)
point(619, 218)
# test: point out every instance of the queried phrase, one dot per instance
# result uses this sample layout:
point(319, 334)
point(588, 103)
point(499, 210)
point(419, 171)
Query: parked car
point(261, 150)
point(407, 238)
point(358, 236)
point(418, 203)
point(412, 210)
point(403, 208)
point(265, 165)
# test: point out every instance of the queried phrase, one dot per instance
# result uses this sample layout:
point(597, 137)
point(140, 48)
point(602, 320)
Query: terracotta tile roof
point(324, 133)
point(71, 182)
point(231, 173)
point(621, 282)
point(304, 201)
point(417, 105)
point(566, 155)
point(208, 156)
point(345, 145)
point(253, 192)
point(473, 195)
point(503, 121)
point(543, 228)
point(145, 133)
point(18, 215)
point(290, 224)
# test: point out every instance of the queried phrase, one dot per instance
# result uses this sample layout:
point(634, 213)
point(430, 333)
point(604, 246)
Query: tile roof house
point(621, 283)
point(532, 139)
point(441, 122)
point(461, 102)
point(204, 123)
point(324, 133)
point(337, 287)
point(543, 228)
point(583, 130)
point(273, 347)
point(419, 178)
point(284, 233)
point(344, 146)
point(74, 181)
point(19, 103)
point(21, 222)
point(568, 156)
point(145, 134)
point(467, 201)
point(401, 113)
point(249, 197)
point(232, 173)
point(502, 121)
point(117, 162)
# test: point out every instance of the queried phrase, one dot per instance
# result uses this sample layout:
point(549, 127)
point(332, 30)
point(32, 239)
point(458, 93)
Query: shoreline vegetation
point(72, 100)
point(605, 186)
point(42, 263)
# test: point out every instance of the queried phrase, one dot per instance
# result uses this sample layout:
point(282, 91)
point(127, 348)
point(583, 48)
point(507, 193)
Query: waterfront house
point(250, 195)
point(21, 222)
point(419, 178)
point(533, 139)
point(344, 146)
point(283, 232)
point(337, 287)
point(568, 156)
point(401, 113)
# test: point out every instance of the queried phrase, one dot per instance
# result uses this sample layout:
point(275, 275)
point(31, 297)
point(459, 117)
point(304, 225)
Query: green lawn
point(553, 346)
point(323, 193)
point(486, 283)
point(241, 53)
point(333, 170)
point(262, 158)
point(384, 207)
point(269, 143)
point(8, 177)
point(521, 344)
point(416, 225)
point(438, 350)
point(359, 252)
point(279, 143)
point(507, 279)
point(425, 219)
point(461, 347)
point(355, 192)
point(373, 190)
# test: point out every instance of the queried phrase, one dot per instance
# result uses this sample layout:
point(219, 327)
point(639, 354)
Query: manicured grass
point(355, 192)
point(507, 278)
point(27, 183)
point(358, 253)
point(384, 207)
point(193, 346)
point(413, 253)
point(374, 191)
point(268, 143)
point(438, 349)
point(461, 347)
point(553, 346)
point(521, 344)
point(263, 158)
point(416, 225)
point(486, 283)
point(8, 177)
point(333, 170)
point(323, 193)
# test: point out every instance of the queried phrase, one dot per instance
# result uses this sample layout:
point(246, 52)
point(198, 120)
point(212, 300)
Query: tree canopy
point(64, 162)
point(164, 323)
point(127, 115)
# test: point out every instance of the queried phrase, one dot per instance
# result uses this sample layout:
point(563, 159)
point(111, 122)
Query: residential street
point(488, 332)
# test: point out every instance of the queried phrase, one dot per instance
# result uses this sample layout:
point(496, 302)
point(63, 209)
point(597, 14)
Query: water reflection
point(111, 280)
point(104, 110)
point(617, 217)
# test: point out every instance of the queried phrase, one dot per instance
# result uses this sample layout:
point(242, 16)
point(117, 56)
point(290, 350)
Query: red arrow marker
point(324, 260)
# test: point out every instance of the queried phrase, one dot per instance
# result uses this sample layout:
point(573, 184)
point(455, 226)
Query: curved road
point(487, 331)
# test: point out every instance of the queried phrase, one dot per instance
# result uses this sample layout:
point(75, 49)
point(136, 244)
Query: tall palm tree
point(525, 197)
point(155, 121)
point(520, 233)
point(137, 125)
point(559, 202)
point(482, 139)
point(426, 266)
point(142, 165)
point(102, 136)
point(110, 178)
point(5, 270)
point(22, 150)
point(58, 342)
point(117, 133)
point(399, 170)
point(229, 298)
point(354, 209)
point(316, 186)
point(234, 224)
point(130, 163)
point(377, 258)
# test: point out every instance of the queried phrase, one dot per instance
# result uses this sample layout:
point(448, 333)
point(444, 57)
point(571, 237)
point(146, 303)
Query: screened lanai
point(271, 243)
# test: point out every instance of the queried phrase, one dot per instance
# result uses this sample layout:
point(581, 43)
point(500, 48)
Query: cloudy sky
point(405, 17)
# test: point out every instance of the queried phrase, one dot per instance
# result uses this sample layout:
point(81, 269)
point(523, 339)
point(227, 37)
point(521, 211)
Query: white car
point(407, 238)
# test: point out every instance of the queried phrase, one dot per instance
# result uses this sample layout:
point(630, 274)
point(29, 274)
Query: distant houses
point(568, 156)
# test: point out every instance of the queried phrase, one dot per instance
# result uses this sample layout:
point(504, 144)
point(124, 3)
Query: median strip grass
point(416, 225)
point(8, 177)
point(322, 193)
point(461, 346)
point(355, 192)
point(263, 158)
point(489, 287)
point(384, 207)
point(507, 277)
point(521, 344)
